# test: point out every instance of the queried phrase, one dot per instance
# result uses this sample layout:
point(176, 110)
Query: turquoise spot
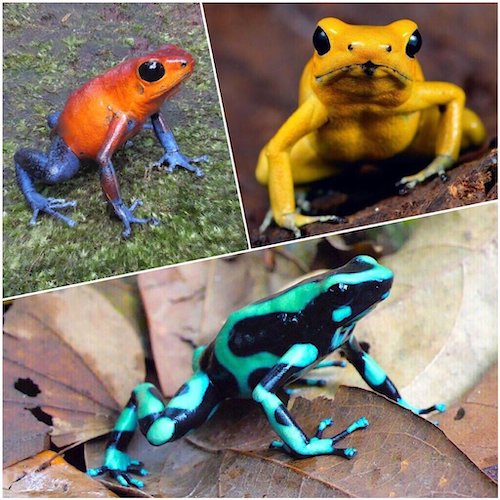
point(190, 400)
point(373, 373)
point(300, 355)
point(386, 294)
point(147, 402)
point(341, 313)
point(441, 407)
point(161, 431)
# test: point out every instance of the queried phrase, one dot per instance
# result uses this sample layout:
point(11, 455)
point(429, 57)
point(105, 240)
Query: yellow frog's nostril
point(350, 46)
point(388, 48)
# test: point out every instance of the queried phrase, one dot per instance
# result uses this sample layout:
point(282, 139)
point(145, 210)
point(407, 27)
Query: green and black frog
point(262, 348)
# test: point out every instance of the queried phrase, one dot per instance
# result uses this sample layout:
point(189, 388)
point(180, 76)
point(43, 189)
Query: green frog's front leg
point(377, 379)
point(160, 423)
point(299, 358)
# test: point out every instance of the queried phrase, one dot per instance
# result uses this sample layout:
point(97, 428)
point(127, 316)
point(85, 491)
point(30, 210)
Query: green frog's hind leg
point(378, 380)
point(160, 423)
point(294, 441)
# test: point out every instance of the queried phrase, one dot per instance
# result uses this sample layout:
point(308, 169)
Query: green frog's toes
point(119, 466)
point(324, 424)
point(125, 480)
point(276, 445)
point(97, 472)
point(122, 476)
point(346, 452)
point(137, 467)
point(361, 423)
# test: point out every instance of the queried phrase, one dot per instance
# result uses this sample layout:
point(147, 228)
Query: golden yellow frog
point(363, 96)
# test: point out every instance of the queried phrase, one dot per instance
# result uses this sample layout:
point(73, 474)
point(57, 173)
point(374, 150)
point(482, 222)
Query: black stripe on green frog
point(260, 349)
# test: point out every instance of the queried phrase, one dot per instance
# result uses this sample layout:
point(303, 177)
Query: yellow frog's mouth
point(367, 70)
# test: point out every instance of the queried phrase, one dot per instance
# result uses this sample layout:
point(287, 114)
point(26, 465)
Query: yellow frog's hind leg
point(424, 144)
point(473, 131)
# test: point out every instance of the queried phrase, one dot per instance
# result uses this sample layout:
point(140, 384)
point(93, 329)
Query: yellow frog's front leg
point(274, 167)
point(449, 129)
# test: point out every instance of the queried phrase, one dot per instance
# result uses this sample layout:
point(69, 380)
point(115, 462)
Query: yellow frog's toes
point(294, 221)
point(438, 166)
point(268, 218)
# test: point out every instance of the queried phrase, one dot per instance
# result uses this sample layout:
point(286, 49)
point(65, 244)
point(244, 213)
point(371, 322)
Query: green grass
point(45, 59)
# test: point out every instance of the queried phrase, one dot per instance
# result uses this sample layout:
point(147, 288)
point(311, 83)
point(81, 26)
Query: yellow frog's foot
point(294, 221)
point(438, 166)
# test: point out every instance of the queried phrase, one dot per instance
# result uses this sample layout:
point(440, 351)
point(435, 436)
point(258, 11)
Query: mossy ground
point(49, 50)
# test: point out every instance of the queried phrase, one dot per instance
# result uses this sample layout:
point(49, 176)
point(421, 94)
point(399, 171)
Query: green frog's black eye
point(414, 44)
point(151, 71)
point(320, 41)
point(342, 291)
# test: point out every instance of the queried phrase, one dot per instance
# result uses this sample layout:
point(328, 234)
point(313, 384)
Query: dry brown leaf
point(229, 456)
point(70, 360)
point(123, 293)
point(472, 423)
point(48, 475)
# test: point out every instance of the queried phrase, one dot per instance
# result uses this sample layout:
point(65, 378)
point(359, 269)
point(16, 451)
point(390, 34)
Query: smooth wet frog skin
point(363, 96)
point(100, 117)
point(260, 349)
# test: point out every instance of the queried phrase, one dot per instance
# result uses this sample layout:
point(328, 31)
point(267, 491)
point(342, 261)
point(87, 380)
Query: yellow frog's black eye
point(414, 44)
point(320, 41)
point(151, 71)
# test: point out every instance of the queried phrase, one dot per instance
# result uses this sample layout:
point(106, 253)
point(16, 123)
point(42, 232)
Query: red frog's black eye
point(414, 44)
point(320, 41)
point(151, 71)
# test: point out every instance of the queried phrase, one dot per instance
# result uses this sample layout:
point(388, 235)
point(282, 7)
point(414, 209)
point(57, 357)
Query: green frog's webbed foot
point(126, 216)
point(318, 445)
point(39, 204)
point(119, 466)
point(177, 159)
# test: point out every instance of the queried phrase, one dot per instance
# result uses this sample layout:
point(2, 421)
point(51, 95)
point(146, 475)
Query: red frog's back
point(137, 88)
